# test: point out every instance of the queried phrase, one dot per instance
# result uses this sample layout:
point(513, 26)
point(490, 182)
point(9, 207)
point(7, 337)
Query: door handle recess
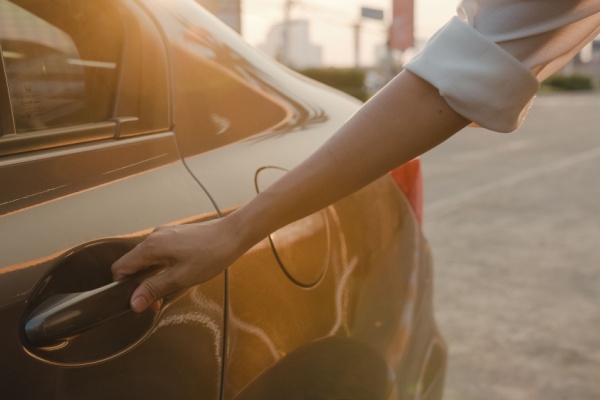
point(62, 316)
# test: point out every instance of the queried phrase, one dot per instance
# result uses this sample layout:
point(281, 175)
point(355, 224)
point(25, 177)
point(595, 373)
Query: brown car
point(118, 116)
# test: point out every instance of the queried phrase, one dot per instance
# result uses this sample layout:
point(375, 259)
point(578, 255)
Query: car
point(118, 116)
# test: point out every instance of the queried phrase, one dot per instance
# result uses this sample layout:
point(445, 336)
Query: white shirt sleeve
point(488, 61)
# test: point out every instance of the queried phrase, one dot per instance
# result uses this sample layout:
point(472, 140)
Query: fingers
point(151, 291)
point(156, 306)
point(141, 256)
point(147, 253)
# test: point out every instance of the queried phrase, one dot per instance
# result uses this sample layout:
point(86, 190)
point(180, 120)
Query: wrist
point(242, 231)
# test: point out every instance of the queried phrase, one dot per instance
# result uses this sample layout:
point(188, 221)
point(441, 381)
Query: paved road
point(514, 223)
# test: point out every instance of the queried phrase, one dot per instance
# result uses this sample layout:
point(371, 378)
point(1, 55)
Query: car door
point(88, 166)
point(315, 310)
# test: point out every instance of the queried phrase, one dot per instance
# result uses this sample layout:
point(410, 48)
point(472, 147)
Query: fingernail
point(138, 304)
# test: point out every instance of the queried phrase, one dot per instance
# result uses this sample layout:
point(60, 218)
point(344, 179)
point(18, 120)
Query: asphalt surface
point(514, 224)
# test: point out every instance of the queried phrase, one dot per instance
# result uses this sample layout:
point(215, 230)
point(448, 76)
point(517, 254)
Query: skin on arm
point(404, 120)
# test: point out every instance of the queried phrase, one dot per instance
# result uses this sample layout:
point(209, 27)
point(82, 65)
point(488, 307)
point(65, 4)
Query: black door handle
point(62, 316)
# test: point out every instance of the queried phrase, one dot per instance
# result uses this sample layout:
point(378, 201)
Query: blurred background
point(513, 220)
point(358, 45)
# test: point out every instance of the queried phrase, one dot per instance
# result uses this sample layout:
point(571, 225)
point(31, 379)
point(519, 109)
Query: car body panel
point(337, 305)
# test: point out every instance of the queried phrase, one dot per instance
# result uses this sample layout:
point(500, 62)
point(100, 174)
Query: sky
point(332, 20)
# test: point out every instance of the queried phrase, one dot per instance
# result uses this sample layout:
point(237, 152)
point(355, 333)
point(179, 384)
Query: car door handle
point(62, 316)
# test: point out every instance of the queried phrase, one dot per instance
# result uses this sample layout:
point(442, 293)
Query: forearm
point(482, 81)
point(407, 118)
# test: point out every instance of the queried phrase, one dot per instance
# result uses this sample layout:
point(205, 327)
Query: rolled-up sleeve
point(488, 61)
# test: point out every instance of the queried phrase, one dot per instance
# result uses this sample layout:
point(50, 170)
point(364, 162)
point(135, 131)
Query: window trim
point(7, 120)
point(57, 137)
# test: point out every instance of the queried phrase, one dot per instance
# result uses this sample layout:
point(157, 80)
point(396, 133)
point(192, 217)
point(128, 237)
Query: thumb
point(151, 290)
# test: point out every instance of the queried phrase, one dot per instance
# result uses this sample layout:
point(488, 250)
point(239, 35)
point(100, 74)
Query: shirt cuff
point(478, 79)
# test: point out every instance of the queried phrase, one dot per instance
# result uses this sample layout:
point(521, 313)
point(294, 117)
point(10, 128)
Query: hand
point(192, 253)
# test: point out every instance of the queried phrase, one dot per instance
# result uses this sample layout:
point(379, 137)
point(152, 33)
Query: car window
point(61, 61)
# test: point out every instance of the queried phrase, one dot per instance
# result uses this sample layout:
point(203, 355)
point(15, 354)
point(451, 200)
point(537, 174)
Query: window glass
point(61, 60)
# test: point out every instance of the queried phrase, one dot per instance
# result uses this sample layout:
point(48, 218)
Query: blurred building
point(228, 11)
point(290, 44)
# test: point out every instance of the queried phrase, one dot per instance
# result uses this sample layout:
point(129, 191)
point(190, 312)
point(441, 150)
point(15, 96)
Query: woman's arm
point(482, 65)
point(405, 119)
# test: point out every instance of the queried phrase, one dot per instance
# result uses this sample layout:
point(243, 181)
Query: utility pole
point(285, 39)
point(356, 27)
